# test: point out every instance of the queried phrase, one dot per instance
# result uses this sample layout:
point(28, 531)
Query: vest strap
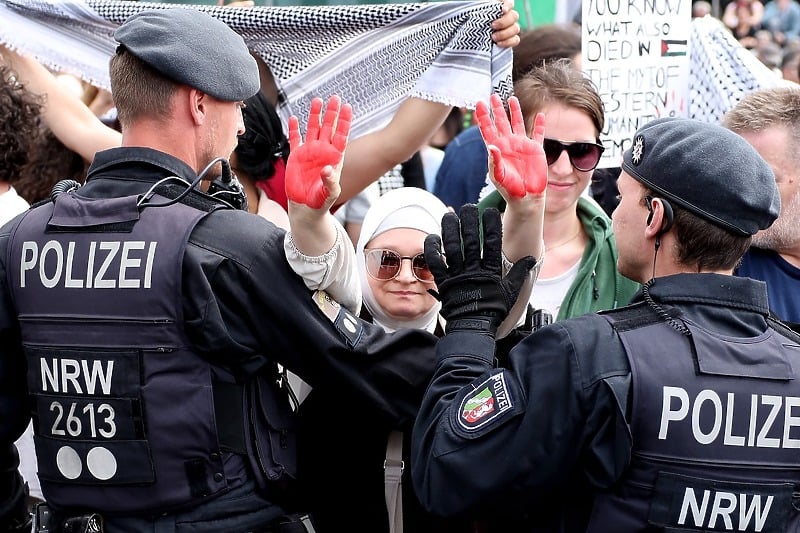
point(229, 410)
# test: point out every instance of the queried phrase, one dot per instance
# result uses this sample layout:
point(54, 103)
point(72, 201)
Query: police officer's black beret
point(193, 48)
point(707, 169)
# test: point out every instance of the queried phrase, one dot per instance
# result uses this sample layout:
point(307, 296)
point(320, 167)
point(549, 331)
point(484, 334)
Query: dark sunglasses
point(384, 264)
point(583, 156)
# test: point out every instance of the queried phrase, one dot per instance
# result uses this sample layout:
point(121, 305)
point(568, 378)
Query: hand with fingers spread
point(474, 294)
point(314, 166)
point(517, 163)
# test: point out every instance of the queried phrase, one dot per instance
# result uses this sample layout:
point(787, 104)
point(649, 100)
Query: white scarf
point(373, 56)
point(721, 71)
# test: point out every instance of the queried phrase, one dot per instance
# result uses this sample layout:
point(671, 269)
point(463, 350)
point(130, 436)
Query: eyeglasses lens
point(420, 267)
point(582, 156)
point(385, 264)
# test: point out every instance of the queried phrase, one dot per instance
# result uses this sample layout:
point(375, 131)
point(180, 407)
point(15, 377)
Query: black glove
point(474, 294)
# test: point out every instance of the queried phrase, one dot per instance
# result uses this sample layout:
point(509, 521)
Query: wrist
point(462, 343)
point(479, 324)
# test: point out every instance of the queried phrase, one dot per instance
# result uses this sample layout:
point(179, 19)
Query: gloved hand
point(474, 295)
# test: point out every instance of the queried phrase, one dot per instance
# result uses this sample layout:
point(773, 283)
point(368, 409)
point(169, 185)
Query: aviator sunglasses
point(583, 156)
point(384, 264)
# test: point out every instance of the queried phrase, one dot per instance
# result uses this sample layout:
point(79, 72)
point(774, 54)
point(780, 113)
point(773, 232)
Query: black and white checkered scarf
point(373, 56)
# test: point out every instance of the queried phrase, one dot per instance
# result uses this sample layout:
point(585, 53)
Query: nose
point(561, 166)
point(406, 273)
point(240, 125)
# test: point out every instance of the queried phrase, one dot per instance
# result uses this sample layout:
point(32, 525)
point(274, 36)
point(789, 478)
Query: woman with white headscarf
point(391, 267)
point(394, 277)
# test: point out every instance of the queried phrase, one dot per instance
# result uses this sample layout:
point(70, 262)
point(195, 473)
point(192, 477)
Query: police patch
point(346, 323)
point(487, 402)
point(637, 153)
point(327, 305)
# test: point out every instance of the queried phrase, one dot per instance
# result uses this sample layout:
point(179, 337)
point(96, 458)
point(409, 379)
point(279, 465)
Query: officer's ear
point(667, 219)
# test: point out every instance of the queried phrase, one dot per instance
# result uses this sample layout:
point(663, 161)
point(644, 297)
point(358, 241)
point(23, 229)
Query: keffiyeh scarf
point(373, 56)
point(721, 71)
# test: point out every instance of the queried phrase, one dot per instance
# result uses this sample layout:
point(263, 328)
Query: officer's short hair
point(139, 90)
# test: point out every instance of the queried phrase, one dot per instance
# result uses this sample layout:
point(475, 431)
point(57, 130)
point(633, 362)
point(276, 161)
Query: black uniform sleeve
point(488, 438)
point(14, 414)
point(246, 308)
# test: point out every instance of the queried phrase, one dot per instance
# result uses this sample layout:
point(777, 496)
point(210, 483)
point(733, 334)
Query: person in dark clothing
point(142, 320)
point(674, 413)
point(603, 188)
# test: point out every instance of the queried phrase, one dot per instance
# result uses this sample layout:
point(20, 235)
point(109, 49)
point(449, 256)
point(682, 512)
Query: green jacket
point(598, 285)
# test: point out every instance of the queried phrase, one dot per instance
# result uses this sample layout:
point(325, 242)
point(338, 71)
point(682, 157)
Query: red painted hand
point(517, 163)
point(314, 167)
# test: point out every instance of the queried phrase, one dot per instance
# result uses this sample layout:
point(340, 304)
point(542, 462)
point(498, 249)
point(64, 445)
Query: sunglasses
point(384, 264)
point(583, 156)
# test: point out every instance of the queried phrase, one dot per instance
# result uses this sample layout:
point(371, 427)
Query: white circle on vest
point(349, 323)
point(68, 462)
point(101, 463)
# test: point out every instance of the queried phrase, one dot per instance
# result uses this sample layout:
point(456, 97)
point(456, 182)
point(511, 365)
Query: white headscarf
point(406, 207)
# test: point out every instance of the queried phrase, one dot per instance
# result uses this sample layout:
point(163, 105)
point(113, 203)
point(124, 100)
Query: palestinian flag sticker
point(486, 403)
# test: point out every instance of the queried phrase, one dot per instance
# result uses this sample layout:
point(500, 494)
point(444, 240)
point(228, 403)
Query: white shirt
point(11, 204)
point(550, 292)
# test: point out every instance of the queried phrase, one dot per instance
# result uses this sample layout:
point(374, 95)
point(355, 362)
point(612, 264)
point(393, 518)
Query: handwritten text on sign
point(636, 53)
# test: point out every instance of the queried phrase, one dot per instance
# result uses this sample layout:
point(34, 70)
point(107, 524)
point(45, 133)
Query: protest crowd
point(243, 291)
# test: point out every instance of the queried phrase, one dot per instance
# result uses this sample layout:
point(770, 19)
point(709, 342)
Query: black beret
point(192, 48)
point(706, 169)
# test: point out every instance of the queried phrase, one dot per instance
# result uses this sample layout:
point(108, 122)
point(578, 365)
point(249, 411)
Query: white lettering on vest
point(70, 370)
point(500, 393)
point(724, 508)
point(109, 264)
point(775, 410)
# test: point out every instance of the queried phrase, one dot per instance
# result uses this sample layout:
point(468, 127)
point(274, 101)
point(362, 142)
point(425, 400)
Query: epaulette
point(636, 315)
point(787, 329)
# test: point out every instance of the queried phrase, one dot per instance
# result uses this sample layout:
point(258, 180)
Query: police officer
point(677, 412)
point(142, 321)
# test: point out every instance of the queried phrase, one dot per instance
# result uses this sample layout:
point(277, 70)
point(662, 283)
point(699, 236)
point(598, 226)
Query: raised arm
point(72, 122)
point(518, 168)
point(370, 156)
point(317, 247)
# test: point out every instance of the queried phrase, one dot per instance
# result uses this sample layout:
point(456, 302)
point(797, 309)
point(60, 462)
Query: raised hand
point(474, 294)
point(517, 163)
point(314, 167)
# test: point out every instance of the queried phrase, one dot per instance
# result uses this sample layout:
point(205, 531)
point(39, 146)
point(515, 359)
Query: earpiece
point(666, 224)
point(63, 186)
point(668, 216)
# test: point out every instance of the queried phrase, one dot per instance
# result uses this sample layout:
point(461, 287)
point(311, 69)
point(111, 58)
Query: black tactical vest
point(123, 408)
point(715, 423)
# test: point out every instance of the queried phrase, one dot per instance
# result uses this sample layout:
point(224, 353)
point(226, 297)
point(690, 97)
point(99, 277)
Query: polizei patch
point(489, 400)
